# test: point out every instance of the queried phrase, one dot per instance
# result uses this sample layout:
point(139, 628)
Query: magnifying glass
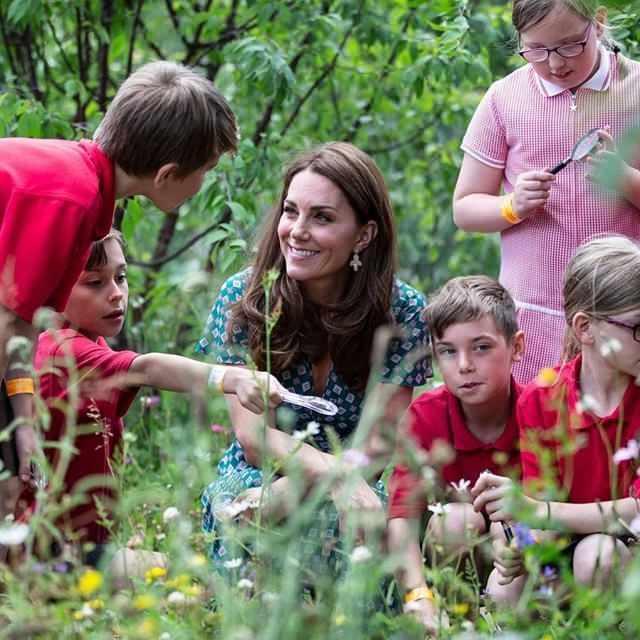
point(581, 149)
point(319, 405)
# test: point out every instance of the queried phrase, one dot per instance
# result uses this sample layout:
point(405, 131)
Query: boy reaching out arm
point(476, 340)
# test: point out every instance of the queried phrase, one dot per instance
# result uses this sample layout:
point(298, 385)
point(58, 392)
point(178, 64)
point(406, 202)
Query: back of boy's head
point(166, 113)
point(470, 298)
point(98, 253)
point(602, 279)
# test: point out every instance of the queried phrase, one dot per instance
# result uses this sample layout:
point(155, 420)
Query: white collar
point(599, 81)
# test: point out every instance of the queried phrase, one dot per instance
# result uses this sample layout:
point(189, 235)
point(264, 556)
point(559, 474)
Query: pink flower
point(218, 428)
point(149, 402)
point(356, 458)
point(630, 452)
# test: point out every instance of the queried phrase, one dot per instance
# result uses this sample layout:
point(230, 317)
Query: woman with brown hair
point(331, 241)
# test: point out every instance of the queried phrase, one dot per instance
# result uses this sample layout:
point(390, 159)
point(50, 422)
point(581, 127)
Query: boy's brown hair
point(469, 298)
point(98, 255)
point(166, 113)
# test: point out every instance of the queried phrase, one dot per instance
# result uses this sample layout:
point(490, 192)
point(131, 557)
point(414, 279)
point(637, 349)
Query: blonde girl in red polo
point(584, 421)
point(527, 123)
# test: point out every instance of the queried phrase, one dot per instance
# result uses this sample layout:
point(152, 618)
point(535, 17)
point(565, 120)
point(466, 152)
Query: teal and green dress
point(229, 345)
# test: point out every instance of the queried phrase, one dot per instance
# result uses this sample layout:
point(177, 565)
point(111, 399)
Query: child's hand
point(250, 386)
point(492, 493)
point(26, 446)
point(426, 613)
point(531, 192)
point(508, 561)
point(605, 155)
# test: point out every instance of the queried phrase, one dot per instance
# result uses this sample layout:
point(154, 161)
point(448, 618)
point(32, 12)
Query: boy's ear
point(582, 328)
point(163, 174)
point(367, 233)
point(517, 346)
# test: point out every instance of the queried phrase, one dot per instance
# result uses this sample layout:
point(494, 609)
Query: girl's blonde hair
point(602, 279)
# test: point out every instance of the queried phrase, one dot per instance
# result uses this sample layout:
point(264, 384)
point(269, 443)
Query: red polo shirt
point(98, 416)
point(551, 420)
point(437, 415)
point(56, 198)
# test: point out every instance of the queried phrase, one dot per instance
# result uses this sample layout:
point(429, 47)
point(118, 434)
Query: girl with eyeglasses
point(528, 122)
point(580, 430)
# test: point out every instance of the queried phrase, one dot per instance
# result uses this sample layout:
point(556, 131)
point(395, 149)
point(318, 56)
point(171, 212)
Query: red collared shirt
point(56, 198)
point(579, 445)
point(437, 416)
point(97, 418)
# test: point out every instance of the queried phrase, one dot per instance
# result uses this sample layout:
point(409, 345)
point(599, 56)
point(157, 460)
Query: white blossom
point(462, 486)
point(630, 452)
point(356, 458)
point(245, 584)
point(233, 564)
point(176, 597)
point(170, 513)
point(360, 554)
point(438, 509)
point(14, 534)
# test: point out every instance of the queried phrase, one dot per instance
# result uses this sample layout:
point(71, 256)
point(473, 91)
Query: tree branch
point(132, 37)
point(323, 75)
point(106, 19)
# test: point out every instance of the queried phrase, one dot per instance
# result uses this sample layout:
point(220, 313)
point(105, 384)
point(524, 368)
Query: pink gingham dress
point(524, 123)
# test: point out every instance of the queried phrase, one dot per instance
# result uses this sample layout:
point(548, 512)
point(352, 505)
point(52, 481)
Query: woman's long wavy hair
point(344, 329)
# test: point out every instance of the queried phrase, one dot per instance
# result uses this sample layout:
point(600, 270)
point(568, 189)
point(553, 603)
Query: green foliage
point(400, 78)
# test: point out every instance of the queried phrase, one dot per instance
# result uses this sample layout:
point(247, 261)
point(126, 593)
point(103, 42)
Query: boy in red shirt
point(88, 388)
point(476, 340)
point(166, 127)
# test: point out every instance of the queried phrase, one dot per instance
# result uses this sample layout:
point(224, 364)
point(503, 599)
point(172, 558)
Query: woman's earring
point(355, 263)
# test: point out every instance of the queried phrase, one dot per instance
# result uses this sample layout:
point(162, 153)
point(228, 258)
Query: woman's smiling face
point(318, 232)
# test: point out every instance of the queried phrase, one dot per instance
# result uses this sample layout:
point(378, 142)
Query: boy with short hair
point(165, 128)
point(476, 340)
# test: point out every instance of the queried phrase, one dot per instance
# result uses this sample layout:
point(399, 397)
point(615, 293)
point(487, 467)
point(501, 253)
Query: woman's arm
point(477, 203)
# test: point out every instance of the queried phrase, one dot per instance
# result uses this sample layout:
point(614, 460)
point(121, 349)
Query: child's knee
point(504, 594)
point(458, 524)
point(597, 557)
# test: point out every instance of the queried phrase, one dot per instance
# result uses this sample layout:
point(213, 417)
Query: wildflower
point(442, 453)
point(610, 347)
point(86, 612)
point(549, 573)
point(149, 402)
point(233, 564)
point(170, 513)
point(356, 458)
point(546, 591)
point(312, 429)
point(14, 534)
point(164, 636)
point(179, 582)
point(218, 428)
point(136, 540)
point(461, 608)
point(269, 597)
point(547, 377)
point(630, 452)
point(360, 554)
point(90, 581)
point(144, 601)
point(438, 509)
point(154, 574)
point(245, 584)
point(462, 486)
point(340, 619)
point(176, 598)
point(197, 560)
point(523, 536)
point(148, 628)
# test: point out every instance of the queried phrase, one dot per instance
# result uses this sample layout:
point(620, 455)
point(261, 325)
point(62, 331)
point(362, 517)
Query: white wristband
point(216, 377)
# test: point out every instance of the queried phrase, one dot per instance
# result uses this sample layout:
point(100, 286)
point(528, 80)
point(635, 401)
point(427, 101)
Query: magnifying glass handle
point(560, 166)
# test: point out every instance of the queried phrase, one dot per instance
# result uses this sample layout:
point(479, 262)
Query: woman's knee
point(597, 557)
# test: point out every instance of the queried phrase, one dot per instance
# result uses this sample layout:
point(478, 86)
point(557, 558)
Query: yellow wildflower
point(154, 574)
point(461, 609)
point(148, 628)
point(197, 560)
point(179, 582)
point(90, 581)
point(340, 619)
point(96, 604)
point(144, 601)
point(547, 377)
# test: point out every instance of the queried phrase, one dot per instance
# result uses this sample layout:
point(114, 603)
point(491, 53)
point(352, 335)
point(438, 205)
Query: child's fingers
point(485, 480)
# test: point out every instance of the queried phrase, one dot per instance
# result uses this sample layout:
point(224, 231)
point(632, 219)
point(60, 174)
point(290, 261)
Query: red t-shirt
point(98, 415)
point(552, 417)
point(437, 415)
point(56, 198)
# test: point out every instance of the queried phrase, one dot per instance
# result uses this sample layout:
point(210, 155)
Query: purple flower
point(549, 572)
point(149, 402)
point(218, 428)
point(524, 537)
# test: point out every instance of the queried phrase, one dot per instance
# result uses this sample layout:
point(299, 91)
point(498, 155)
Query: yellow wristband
point(419, 593)
point(216, 377)
point(507, 211)
point(17, 386)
